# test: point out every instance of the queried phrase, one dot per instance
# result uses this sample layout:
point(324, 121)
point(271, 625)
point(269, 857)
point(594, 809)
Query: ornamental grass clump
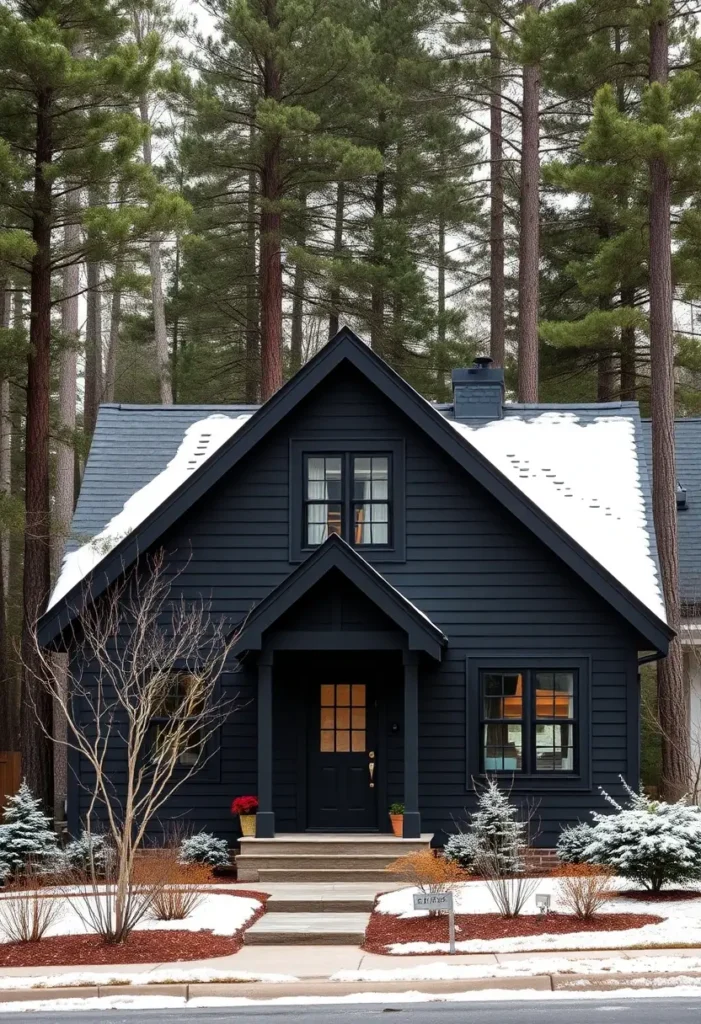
point(651, 842)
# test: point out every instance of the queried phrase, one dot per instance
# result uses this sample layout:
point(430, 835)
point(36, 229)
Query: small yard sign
point(438, 901)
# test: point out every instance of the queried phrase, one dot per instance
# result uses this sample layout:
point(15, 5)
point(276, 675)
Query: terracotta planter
point(248, 824)
point(397, 824)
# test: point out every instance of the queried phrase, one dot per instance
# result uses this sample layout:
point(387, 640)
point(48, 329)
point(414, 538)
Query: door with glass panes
point(342, 746)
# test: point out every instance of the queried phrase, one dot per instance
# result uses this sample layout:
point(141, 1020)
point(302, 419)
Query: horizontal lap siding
point(469, 565)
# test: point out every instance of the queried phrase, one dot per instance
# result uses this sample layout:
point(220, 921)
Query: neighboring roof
point(335, 554)
point(501, 477)
point(687, 435)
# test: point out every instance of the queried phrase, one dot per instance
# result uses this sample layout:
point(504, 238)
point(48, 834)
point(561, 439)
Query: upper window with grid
point(348, 495)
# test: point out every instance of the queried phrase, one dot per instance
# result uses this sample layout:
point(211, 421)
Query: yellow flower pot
point(248, 824)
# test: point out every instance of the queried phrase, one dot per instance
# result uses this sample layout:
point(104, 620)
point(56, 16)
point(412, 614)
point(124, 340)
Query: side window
point(176, 730)
point(528, 721)
point(371, 503)
point(323, 502)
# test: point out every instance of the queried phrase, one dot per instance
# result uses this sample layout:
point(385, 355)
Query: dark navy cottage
point(428, 593)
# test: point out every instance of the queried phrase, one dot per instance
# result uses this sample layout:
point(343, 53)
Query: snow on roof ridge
point(585, 475)
point(200, 441)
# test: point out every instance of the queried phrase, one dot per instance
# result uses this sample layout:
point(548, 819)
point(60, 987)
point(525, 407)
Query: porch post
point(412, 816)
point(265, 818)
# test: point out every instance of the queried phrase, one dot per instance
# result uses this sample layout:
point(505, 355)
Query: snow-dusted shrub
point(572, 842)
point(89, 851)
point(583, 889)
point(26, 834)
point(496, 830)
point(460, 848)
point(204, 848)
point(651, 842)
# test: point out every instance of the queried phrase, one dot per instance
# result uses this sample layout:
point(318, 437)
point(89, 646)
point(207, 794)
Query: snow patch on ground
point(585, 476)
point(684, 989)
point(444, 971)
point(219, 913)
point(161, 976)
point(681, 923)
point(199, 443)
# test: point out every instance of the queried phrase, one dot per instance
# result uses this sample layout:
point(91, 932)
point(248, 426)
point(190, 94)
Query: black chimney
point(478, 391)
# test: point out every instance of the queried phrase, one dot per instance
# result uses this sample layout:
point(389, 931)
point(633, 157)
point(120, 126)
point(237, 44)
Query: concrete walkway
point(323, 961)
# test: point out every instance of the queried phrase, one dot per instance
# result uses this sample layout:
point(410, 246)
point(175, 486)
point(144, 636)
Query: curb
point(603, 982)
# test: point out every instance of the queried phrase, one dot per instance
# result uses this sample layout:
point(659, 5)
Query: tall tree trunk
point(64, 494)
point(496, 211)
point(629, 376)
point(529, 243)
point(115, 326)
point(93, 349)
point(297, 329)
point(176, 321)
point(672, 701)
point(335, 294)
point(252, 308)
point(36, 725)
point(377, 298)
point(155, 265)
point(7, 741)
point(271, 232)
point(442, 367)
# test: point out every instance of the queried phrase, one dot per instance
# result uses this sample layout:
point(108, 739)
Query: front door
point(342, 745)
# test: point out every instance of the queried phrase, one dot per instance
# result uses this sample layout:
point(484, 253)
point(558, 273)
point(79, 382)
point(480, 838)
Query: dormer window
point(353, 489)
point(348, 495)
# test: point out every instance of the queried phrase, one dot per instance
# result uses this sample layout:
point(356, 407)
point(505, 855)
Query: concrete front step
point(339, 905)
point(308, 857)
point(320, 875)
point(310, 929)
point(302, 846)
point(315, 861)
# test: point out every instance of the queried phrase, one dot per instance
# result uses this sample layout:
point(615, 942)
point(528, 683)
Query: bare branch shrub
point(428, 873)
point(510, 889)
point(145, 690)
point(584, 888)
point(26, 913)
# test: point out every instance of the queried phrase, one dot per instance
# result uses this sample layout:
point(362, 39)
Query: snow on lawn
point(681, 923)
point(445, 971)
point(219, 913)
point(556, 460)
point(162, 976)
point(199, 443)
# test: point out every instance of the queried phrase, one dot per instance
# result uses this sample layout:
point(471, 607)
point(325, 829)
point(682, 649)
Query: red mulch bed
point(385, 929)
point(664, 896)
point(142, 947)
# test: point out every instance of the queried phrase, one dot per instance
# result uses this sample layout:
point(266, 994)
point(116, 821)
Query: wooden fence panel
point(10, 775)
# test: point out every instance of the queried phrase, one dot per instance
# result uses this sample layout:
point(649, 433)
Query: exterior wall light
point(542, 902)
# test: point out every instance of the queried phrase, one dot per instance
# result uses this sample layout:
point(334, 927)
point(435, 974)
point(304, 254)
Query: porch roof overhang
point(335, 554)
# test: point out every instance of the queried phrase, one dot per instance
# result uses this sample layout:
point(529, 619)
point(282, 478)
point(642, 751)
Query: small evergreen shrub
point(572, 842)
point(496, 831)
point(460, 849)
point(204, 848)
point(90, 849)
point(25, 834)
point(651, 842)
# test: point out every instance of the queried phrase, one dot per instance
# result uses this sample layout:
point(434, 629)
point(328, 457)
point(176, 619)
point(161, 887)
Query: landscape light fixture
point(542, 902)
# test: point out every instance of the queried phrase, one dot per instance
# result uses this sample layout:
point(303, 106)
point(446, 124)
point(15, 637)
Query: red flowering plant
point(245, 805)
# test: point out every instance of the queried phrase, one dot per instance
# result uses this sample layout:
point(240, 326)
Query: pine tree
point(496, 830)
point(26, 832)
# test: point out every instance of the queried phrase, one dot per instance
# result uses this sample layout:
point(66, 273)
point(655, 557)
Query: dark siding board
point(469, 565)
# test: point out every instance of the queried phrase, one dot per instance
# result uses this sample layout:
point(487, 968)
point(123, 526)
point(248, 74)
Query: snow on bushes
point(497, 832)
point(650, 841)
point(204, 848)
point(25, 834)
point(572, 842)
point(87, 852)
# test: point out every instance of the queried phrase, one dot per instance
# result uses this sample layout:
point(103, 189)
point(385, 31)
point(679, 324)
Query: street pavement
point(603, 1011)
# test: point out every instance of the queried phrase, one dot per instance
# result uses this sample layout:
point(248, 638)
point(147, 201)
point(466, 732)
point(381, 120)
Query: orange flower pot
point(397, 824)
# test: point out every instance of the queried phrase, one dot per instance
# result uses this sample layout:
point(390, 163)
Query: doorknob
point(371, 769)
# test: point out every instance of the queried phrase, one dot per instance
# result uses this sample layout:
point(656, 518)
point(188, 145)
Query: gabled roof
point(335, 554)
point(687, 437)
point(347, 349)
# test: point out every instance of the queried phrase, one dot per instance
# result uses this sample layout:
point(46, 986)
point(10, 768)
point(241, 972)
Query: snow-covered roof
point(588, 474)
point(200, 441)
point(583, 465)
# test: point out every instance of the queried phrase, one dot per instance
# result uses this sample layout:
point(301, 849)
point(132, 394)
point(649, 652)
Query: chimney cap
point(484, 362)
